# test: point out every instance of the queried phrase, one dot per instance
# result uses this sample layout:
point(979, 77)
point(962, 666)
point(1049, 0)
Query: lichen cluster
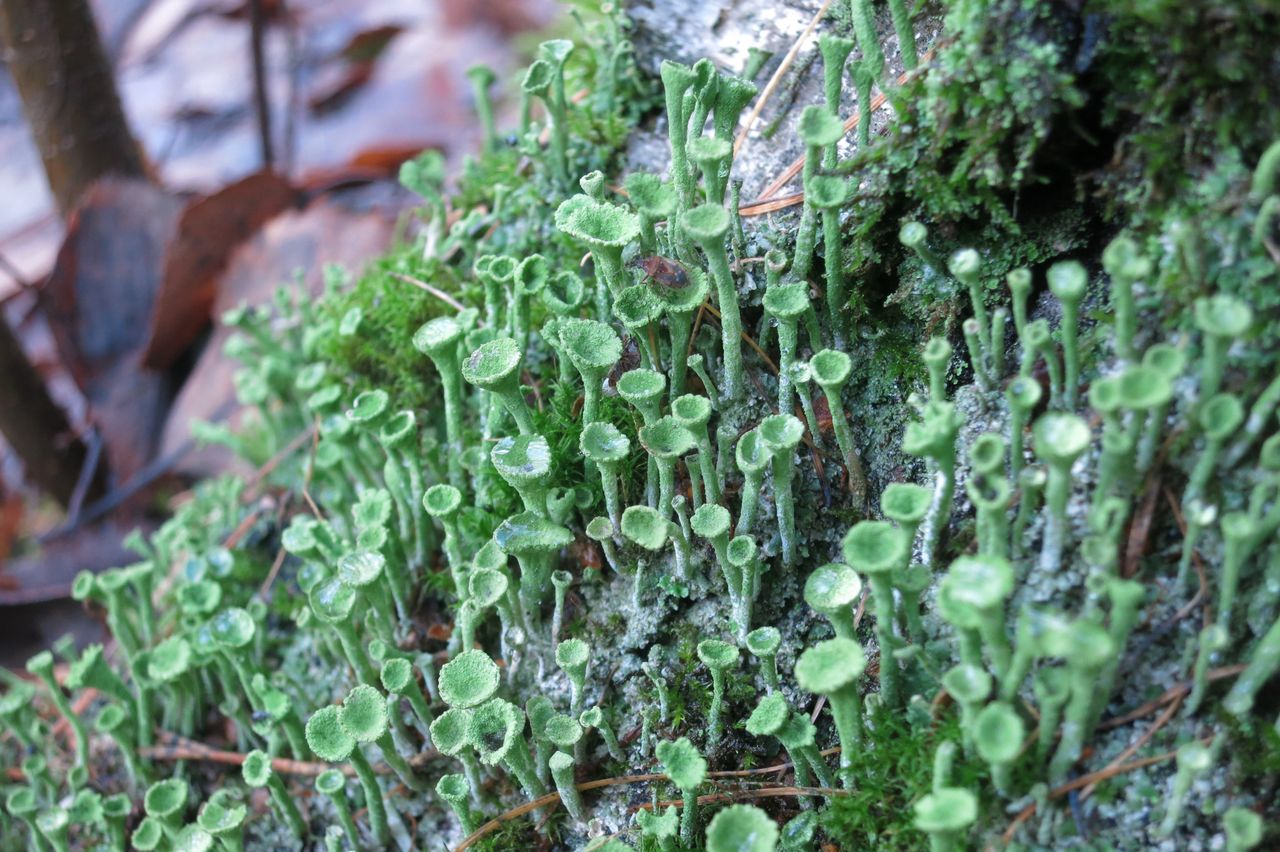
point(593, 528)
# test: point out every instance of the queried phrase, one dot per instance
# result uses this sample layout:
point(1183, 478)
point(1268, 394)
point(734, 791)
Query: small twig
point(242, 529)
point(1170, 694)
point(1133, 747)
point(261, 104)
point(760, 793)
point(1084, 781)
point(760, 208)
point(851, 122)
point(259, 475)
point(310, 471)
point(750, 341)
point(776, 79)
point(181, 748)
point(697, 324)
point(85, 479)
point(435, 291)
point(554, 798)
point(1201, 592)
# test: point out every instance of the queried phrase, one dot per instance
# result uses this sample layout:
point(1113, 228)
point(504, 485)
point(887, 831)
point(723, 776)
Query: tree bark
point(36, 427)
point(68, 95)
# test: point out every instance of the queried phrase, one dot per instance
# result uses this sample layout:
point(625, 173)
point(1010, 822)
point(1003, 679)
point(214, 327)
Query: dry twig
point(776, 79)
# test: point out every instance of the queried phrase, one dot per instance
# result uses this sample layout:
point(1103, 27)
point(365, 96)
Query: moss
point(893, 772)
point(391, 309)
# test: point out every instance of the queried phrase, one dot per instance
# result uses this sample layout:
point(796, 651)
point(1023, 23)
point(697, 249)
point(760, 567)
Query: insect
point(663, 271)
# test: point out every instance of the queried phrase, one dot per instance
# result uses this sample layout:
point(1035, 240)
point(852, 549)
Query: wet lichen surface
point(943, 517)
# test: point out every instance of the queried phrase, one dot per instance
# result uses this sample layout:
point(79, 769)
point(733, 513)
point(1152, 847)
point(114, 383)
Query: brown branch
point(181, 748)
point(69, 97)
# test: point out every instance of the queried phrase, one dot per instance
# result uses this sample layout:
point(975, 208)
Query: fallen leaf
point(208, 232)
point(100, 293)
point(324, 232)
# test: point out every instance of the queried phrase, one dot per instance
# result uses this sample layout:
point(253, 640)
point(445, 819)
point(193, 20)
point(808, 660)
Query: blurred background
point(161, 162)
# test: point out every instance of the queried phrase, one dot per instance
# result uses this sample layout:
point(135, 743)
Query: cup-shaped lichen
point(1222, 319)
point(332, 784)
point(1086, 648)
point(998, 734)
point(1059, 441)
point(773, 717)
point(713, 157)
point(934, 437)
point(753, 457)
point(534, 541)
point(660, 826)
point(1068, 281)
point(573, 656)
point(832, 590)
point(607, 448)
point(223, 817)
point(694, 413)
point(711, 522)
point(442, 502)
point(605, 229)
point(1243, 828)
point(944, 815)
point(330, 741)
point(654, 201)
point(832, 669)
point(495, 367)
point(525, 463)
point(781, 434)
point(468, 680)
point(983, 583)
point(819, 129)
point(452, 787)
point(41, 665)
point(333, 601)
point(831, 368)
point(166, 802)
point(594, 348)
point(258, 772)
point(638, 309)
point(667, 441)
point(680, 304)
point(719, 657)
point(829, 193)
point(643, 389)
point(495, 731)
point(1219, 418)
point(364, 717)
point(786, 303)
point(907, 505)
point(449, 735)
point(707, 226)
point(742, 828)
point(880, 550)
point(763, 644)
point(115, 722)
point(687, 769)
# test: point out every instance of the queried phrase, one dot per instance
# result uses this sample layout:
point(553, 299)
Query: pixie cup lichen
point(831, 669)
